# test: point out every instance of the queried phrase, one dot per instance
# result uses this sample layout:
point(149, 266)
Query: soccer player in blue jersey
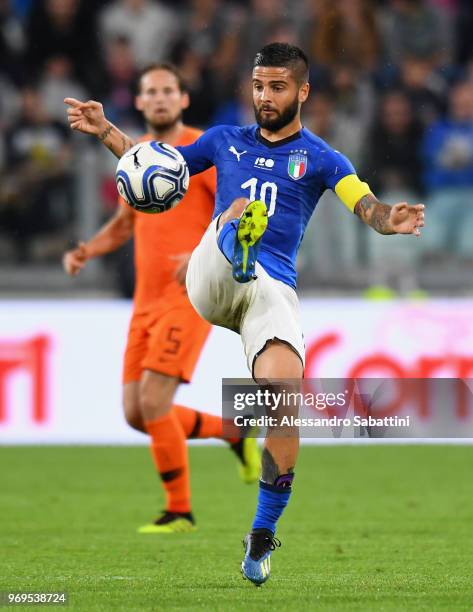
point(242, 275)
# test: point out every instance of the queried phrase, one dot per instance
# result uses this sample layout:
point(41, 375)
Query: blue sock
point(271, 503)
point(226, 238)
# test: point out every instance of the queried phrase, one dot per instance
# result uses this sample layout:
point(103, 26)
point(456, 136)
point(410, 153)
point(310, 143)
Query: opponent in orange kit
point(166, 335)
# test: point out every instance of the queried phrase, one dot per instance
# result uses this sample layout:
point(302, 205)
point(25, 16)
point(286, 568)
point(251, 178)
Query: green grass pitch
point(368, 528)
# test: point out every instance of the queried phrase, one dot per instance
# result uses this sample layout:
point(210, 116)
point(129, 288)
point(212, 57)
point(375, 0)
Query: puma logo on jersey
point(235, 152)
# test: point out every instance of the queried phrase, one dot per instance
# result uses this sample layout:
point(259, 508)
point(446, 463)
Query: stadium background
point(392, 87)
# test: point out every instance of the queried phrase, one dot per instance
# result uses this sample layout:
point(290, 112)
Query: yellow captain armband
point(350, 190)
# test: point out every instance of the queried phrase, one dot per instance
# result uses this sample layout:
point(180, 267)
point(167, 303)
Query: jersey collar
point(277, 143)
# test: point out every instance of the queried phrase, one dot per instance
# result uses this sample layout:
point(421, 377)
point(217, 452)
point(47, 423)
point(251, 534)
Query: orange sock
point(198, 424)
point(169, 452)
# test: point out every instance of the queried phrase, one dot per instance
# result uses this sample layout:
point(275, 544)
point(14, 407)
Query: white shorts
point(260, 310)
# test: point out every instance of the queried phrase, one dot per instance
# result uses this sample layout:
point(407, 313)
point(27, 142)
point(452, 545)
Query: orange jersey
point(159, 238)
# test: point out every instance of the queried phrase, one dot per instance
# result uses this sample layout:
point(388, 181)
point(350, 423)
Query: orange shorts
point(167, 340)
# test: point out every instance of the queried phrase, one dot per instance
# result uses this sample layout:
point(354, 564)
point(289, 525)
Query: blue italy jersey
point(289, 175)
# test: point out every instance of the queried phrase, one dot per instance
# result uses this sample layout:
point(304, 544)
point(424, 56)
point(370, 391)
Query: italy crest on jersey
point(297, 165)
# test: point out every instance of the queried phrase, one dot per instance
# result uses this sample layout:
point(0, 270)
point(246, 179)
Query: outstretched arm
point(89, 118)
point(109, 238)
point(400, 218)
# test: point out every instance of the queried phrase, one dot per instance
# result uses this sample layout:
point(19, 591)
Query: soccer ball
point(152, 177)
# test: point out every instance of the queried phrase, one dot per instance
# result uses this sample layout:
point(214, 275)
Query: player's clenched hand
point(74, 261)
point(87, 117)
point(181, 267)
point(407, 219)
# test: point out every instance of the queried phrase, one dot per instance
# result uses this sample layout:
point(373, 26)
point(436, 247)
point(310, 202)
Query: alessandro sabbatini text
point(350, 408)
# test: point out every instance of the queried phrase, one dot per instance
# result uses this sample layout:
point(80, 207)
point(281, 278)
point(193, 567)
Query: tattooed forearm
point(115, 140)
point(380, 219)
point(126, 144)
point(110, 147)
point(364, 207)
point(375, 213)
point(103, 135)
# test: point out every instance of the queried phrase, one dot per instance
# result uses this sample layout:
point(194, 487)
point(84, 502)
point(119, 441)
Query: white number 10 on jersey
point(267, 189)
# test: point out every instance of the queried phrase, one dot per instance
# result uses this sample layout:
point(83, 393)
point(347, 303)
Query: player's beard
point(165, 125)
point(282, 118)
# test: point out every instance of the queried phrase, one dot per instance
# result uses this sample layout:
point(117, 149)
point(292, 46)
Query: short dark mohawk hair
point(284, 55)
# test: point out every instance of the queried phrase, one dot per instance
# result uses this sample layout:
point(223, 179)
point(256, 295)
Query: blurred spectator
point(58, 83)
point(8, 103)
point(207, 51)
point(149, 26)
point(34, 191)
point(393, 147)
point(264, 22)
point(425, 87)
point(238, 110)
point(65, 28)
point(449, 6)
point(351, 101)
point(121, 77)
point(416, 28)
point(463, 30)
point(22, 7)
point(282, 31)
point(346, 30)
point(468, 70)
point(333, 240)
point(200, 82)
point(320, 116)
point(448, 174)
point(353, 93)
point(204, 25)
point(12, 42)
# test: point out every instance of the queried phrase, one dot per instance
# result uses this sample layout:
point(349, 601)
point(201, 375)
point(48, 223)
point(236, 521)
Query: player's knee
point(131, 406)
point(239, 205)
point(133, 416)
point(278, 360)
point(236, 208)
point(151, 406)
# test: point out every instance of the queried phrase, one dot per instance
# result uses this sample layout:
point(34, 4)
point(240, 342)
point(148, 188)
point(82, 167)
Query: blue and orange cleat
point(258, 545)
point(251, 227)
